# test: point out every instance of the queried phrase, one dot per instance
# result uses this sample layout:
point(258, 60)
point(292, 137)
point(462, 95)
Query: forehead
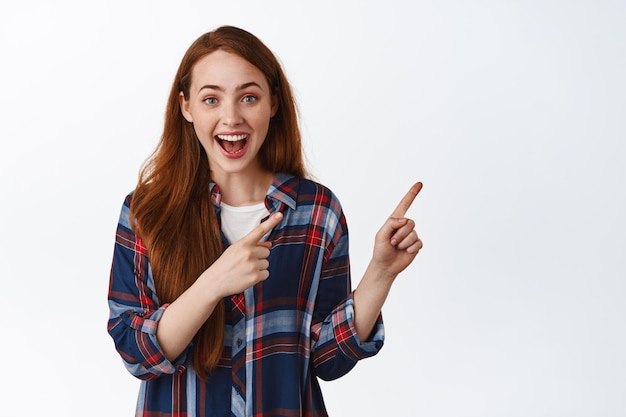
point(226, 69)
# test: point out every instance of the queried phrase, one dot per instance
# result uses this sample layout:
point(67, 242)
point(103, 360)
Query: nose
point(231, 114)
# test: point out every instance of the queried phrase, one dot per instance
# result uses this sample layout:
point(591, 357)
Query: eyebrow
point(239, 88)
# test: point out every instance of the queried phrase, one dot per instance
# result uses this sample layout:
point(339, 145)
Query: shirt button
point(239, 343)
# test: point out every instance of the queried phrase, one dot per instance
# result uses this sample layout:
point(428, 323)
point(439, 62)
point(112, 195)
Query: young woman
point(230, 288)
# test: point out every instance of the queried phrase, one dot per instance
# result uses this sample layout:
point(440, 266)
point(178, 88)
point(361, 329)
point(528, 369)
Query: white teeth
point(232, 138)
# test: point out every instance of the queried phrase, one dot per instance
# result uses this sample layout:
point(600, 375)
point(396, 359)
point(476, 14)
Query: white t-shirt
point(239, 221)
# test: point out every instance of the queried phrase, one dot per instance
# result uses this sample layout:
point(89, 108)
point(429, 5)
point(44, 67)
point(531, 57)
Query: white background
point(512, 113)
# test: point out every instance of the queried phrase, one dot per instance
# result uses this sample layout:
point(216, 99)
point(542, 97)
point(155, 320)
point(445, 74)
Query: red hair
point(171, 205)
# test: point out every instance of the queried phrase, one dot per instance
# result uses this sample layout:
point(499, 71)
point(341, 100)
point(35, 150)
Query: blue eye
point(210, 100)
point(249, 99)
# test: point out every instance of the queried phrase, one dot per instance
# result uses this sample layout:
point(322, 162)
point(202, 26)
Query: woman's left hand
point(397, 242)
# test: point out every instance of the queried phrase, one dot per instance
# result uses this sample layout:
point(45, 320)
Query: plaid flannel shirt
point(281, 334)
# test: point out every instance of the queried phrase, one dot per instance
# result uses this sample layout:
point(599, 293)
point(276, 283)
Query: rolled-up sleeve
point(339, 348)
point(134, 310)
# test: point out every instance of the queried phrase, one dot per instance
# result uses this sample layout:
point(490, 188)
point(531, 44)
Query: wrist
point(208, 289)
point(379, 273)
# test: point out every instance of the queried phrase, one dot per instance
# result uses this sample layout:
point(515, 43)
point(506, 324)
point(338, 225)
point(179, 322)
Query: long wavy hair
point(172, 207)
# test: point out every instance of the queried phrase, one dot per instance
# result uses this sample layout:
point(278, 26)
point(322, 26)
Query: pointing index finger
point(262, 229)
point(407, 200)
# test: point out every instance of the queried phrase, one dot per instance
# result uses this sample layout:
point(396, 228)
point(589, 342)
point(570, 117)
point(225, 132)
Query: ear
point(274, 105)
point(184, 107)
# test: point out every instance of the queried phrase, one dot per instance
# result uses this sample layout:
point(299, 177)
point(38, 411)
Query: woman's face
point(230, 105)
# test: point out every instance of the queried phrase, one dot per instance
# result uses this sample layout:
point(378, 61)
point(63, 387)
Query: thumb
point(261, 230)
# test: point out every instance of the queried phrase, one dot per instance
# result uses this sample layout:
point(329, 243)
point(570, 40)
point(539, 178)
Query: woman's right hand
point(244, 263)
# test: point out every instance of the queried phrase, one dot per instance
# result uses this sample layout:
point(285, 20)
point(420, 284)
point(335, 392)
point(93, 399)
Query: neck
point(244, 190)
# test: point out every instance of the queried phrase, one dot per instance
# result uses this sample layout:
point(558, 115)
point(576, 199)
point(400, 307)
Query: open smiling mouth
point(232, 144)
